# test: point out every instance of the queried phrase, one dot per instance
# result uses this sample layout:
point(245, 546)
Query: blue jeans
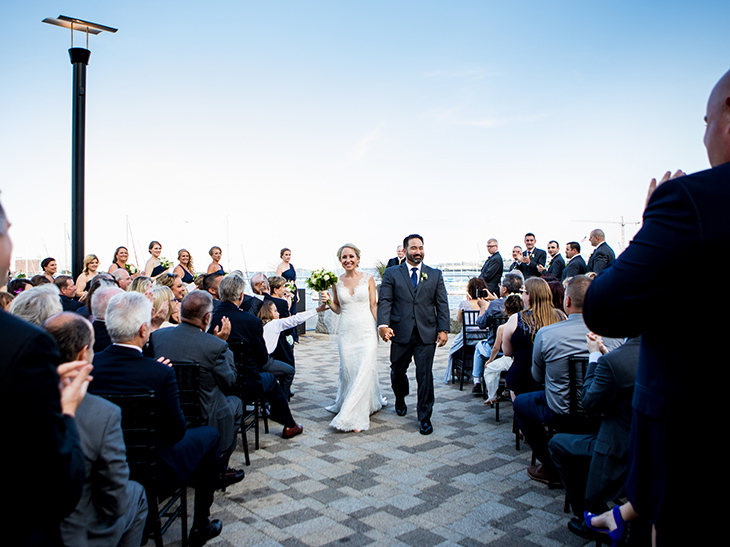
point(482, 352)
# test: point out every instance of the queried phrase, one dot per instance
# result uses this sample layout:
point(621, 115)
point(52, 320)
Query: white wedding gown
point(358, 391)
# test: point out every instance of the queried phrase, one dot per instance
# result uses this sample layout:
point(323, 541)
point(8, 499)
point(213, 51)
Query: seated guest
point(190, 343)
point(489, 312)
point(174, 282)
point(576, 265)
point(83, 281)
point(187, 456)
point(112, 509)
point(142, 285)
point(399, 259)
point(163, 307)
point(5, 299)
point(284, 351)
point(495, 365)
point(39, 279)
point(185, 268)
point(154, 267)
point(260, 288)
point(100, 301)
point(215, 253)
point(558, 291)
point(250, 330)
point(210, 285)
point(66, 287)
point(50, 266)
point(37, 304)
point(101, 280)
point(123, 278)
point(41, 453)
point(469, 303)
point(593, 467)
point(273, 326)
point(554, 345)
point(17, 286)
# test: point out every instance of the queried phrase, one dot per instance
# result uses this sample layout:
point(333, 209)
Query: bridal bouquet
point(291, 287)
point(321, 280)
point(131, 269)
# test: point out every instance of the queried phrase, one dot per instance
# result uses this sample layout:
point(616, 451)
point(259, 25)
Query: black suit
point(395, 262)
point(593, 467)
point(638, 296)
point(575, 266)
point(253, 356)
point(537, 256)
point(492, 272)
point(416, 315)
point(189, 456)
point(41, 452)
point(557, 265)
point(602, 257)
point(102, 340)
point(69, 304)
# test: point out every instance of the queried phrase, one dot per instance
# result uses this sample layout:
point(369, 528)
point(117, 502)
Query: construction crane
point(622, 222)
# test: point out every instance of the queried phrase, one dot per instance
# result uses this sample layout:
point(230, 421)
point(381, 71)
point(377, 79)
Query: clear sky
point(259, 125)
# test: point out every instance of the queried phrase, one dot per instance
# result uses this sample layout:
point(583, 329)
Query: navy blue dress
point(187, 276)
point(291, 275)
point(158, 270)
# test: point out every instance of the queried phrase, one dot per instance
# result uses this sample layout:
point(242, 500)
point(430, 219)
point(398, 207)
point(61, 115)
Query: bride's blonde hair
point(348, 246)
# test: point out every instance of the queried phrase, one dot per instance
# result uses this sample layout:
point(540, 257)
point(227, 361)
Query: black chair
point(254, 407)
point(188, 385)
point(471, 334)
point(138, 412)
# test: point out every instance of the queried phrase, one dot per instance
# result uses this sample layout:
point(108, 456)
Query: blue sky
point(258, 125)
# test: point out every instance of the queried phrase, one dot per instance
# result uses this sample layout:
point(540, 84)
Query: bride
point(358, 391)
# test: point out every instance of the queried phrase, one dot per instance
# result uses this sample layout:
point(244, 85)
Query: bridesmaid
point(50, 267)
point(185, 269)
point(121, 255)
point(215, 253)
point(153, 268)
point(287, 271)
point(83, 282)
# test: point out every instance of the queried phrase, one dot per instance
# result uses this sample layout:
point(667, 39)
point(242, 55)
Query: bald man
point(670, 479)
point(603, 255)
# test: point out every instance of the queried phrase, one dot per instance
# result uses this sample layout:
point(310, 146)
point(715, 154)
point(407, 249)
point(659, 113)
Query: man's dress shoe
point(290, 432)
point(400, 408)
point(426, 427)
point(200, 536)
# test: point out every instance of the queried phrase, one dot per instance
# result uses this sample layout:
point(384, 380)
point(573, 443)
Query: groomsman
point(397, 260)
point(576, 265)
point(555, 262)
point(532, 257)
point(492, 270)
point(603, 256)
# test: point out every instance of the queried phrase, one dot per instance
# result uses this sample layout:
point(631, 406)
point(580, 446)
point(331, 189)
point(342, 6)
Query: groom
point(412, 309)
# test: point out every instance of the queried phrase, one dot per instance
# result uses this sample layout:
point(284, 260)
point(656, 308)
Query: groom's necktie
point(414, 277)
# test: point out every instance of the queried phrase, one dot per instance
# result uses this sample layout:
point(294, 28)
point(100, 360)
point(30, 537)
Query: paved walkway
point(463, 485)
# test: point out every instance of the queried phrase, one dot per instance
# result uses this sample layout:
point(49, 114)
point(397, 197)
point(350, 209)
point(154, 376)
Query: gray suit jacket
point(608, 390)
point(402, 307)
point(188, 344)
point(601, 258)
point(109, 499)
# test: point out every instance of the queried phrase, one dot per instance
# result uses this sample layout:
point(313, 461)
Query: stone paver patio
point(463, 485)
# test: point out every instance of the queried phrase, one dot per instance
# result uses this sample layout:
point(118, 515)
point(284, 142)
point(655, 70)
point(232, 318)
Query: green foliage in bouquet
point(321, 280)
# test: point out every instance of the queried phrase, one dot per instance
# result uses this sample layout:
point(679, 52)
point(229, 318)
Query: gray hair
point(101, 300)
point(119, 274)
point(37, 304)
point(257, 278)
point(231, 287)
point(125, 315)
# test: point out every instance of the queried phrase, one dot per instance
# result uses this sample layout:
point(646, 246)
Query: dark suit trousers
point(282, 371)
point(572, 455)
point(278, 401)
point(194, 461)
point(400, 358)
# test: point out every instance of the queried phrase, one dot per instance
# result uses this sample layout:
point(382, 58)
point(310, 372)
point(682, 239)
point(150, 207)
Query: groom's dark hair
point(408, 239)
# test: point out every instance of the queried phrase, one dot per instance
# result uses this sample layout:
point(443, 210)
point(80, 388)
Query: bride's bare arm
point(373, 299)
point(334, 301)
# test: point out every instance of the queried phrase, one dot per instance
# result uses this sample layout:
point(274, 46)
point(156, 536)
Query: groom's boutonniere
point(424, 276)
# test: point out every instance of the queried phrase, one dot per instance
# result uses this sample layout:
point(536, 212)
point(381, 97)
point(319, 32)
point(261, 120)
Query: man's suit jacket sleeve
point(626, 299)
point(442, 306)
point(556, 267)
point(599, 261)
point(385, 298)
point(599, 387)
point(110, 472)
point(224, 370)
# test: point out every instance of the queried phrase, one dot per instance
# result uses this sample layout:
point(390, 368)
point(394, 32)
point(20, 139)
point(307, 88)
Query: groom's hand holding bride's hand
point(386, 333)
point(442, 338)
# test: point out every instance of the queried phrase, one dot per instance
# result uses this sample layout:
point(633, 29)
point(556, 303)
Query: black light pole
point(79, 59)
